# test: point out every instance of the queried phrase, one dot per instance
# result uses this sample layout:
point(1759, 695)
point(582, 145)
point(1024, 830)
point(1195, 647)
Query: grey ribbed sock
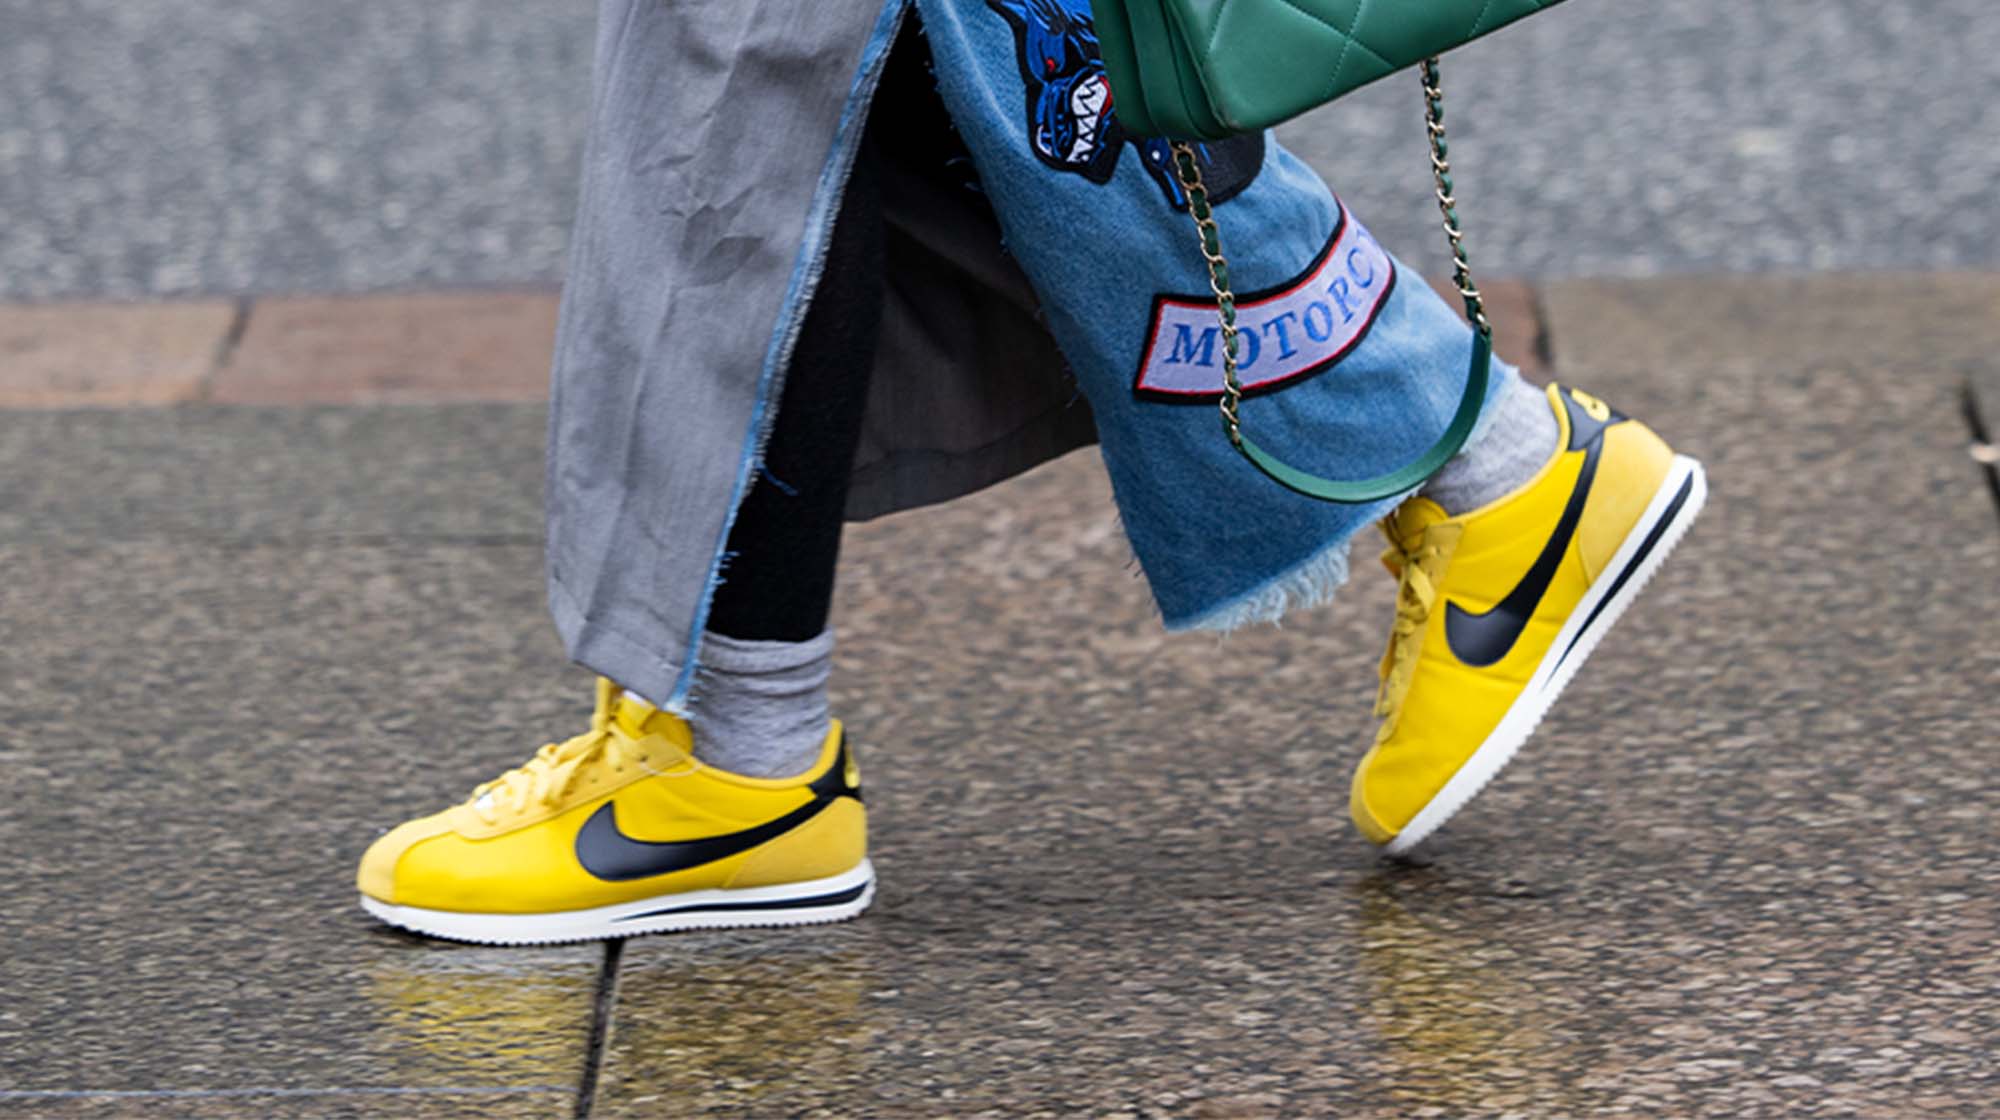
point(760, 708)
point(1520, 436)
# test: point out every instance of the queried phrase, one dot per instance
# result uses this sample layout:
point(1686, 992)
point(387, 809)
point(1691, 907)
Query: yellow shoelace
point(554, 771)
point(1416, 593)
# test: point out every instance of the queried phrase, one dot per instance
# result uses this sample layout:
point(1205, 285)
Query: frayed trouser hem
point(607, 651)
point(1310, 584)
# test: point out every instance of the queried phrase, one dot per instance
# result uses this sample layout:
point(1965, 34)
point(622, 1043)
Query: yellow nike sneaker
point(621, 831)
point(1498, 607)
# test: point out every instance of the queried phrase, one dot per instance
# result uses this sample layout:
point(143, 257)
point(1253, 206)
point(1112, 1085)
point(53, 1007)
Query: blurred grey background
point(173, 147)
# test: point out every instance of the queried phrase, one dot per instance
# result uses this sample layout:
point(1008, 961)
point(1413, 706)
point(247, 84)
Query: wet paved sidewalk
point(1747, 868)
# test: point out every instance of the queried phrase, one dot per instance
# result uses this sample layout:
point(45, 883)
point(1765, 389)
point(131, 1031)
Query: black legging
point(778, 581)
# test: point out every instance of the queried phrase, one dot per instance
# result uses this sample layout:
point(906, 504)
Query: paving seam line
point(603, 1004)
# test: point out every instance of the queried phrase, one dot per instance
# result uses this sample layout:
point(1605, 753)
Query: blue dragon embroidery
point(1072, 124)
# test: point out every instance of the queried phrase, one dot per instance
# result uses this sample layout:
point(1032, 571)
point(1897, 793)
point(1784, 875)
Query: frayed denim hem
point(1311, 584)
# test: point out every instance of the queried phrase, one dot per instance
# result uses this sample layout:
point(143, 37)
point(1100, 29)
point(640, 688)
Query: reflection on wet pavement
point(1461, 1027)
point(737, 1033)
point(468, 1015)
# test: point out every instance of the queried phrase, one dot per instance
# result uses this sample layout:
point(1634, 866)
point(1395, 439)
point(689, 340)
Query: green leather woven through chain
point(1363, 490)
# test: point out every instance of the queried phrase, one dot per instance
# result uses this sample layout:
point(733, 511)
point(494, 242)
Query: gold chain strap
point(1203, 213)
point(1475, 308)
point(1188, 169)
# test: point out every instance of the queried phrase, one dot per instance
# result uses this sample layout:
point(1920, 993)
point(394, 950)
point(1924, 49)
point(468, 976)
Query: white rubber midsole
point(1555, 670)
point(831, 899)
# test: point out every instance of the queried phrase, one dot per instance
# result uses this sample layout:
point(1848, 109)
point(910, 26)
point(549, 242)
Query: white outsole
point(787, 904)
point(1555, 671)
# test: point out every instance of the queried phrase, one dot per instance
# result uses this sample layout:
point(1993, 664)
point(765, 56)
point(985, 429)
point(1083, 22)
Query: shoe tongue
point(1413, 517)
point(638, 718)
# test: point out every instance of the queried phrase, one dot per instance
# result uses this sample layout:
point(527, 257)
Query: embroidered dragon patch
point(1072, 124)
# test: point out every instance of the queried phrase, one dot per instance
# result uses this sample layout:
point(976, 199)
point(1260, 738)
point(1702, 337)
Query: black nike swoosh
point(1483, 639)
point(609, 854)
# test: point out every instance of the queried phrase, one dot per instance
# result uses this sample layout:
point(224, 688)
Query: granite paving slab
point(470, 473)
point(302, 1104)
point(1745, 869)
point(240, 644)
point(199, 741)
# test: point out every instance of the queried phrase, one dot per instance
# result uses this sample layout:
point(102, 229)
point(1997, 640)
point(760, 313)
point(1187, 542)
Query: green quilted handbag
point(1195, 70)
